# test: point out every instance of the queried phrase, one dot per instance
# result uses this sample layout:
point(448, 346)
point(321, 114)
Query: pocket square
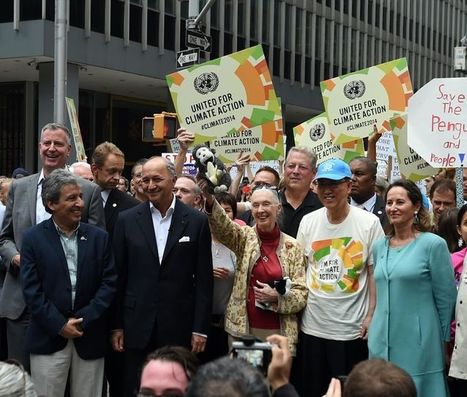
point(184, 239)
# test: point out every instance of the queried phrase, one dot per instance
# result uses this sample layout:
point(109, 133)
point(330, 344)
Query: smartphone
point(257, 354)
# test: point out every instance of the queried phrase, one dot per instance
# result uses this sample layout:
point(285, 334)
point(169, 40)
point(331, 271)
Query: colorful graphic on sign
point(227, 98)
point(356, 101)
point(437, 122)
point(411, 165)
point(315, 134)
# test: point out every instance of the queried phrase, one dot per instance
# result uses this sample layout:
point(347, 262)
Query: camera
point(257, 354)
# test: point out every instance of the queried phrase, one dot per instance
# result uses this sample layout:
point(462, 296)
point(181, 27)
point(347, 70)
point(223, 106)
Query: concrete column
point(46, 95)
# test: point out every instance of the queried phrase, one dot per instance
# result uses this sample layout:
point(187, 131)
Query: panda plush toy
point(211, 168)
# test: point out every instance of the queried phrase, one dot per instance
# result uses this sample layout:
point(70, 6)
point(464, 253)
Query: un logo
point(206, 83)
point(354, 89)
point(317, 132)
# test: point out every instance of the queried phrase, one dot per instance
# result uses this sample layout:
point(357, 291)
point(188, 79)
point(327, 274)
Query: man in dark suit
point(163, 256)
point(25, 209)
point(69, 282)
point(363, 194)
point(108, 162)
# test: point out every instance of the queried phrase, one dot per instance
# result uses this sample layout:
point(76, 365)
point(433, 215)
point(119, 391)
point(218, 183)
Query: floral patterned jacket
point(245, 243)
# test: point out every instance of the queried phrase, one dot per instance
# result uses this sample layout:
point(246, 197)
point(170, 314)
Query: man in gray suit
point(25, 209)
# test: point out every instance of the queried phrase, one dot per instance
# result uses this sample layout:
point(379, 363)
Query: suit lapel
point(111, 207)
point(57, 249)
point(82, 253)
point(177, 226)
point(144, 220)
point(32, 198)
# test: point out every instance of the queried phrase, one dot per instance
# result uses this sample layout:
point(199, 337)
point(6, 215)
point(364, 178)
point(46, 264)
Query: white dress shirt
point(41, 213)
point(162, 226)
point(368, 205)
point(105, 196)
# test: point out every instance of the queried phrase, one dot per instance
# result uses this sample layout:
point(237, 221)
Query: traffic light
point(160, 127)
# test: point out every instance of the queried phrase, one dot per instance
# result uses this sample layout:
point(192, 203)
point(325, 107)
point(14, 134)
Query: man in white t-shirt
point(337, 240)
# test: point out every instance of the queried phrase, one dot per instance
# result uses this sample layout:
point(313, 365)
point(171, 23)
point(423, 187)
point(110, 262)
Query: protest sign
point(76, 131)
point(226, 100)
point(437, 122)
point(257, 141)
point(386, 157)
point(189, 165)
point(356, 101)
point(315, 134)
point(411, 165)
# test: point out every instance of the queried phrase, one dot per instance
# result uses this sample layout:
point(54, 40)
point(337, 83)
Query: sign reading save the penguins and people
point(230, 103)
point(357, 101)
point(437, 122)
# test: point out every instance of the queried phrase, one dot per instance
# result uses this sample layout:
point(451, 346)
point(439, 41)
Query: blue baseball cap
point(334, 169)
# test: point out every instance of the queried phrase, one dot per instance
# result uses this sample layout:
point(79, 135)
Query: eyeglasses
point(266, 186)
point(330, 182)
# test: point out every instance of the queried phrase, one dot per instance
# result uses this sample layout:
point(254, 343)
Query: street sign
point(437, 122)
point(187, 57)
point(196, 39)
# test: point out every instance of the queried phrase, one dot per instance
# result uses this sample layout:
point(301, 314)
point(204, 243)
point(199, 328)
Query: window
point(277, 16)
point(265, 33)
point(241, 18)
point(254, 19)
point(308, 38)
point(288, 26)
point(228, 16)
point(215, 15)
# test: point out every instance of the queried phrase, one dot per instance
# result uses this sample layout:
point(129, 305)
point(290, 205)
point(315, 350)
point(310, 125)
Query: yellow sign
point(231, 101)
point(357, 101)
point(315, 134)
point(76, 131)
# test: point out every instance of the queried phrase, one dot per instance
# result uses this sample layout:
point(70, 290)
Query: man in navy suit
point(108, 162)
point(163, 257)
point(69, 282)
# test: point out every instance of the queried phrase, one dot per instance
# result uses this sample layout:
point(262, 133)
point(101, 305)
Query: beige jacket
point(245, 243)
point(458, 368)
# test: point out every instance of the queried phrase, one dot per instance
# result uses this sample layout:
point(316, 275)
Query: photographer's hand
point(281, 363)
point(334, 389)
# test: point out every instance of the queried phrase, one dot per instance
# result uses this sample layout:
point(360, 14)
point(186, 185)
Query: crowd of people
point(123, 288)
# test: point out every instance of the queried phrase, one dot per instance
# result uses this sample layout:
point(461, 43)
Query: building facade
point(119, 52)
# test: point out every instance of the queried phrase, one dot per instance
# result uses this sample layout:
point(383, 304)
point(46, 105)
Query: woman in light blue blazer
point(415, 293)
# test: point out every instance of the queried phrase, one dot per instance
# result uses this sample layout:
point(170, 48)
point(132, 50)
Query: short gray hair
point(170, 165)
point(57, 126)
point(79, 164)
point(52, 186)
point(15, 381)
point(307, 152)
